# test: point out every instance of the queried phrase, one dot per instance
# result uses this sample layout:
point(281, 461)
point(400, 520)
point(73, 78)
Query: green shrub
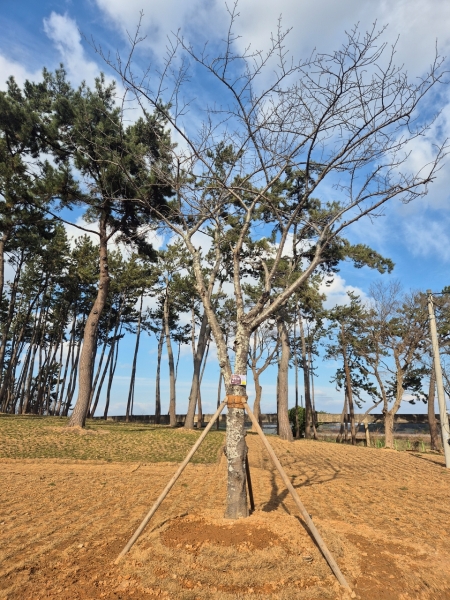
point(301, 419)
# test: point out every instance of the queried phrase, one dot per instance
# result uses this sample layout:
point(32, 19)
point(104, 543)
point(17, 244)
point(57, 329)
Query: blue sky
point(416, 236)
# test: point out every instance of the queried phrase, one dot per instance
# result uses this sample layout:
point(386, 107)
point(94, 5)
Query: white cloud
point(428, 239)
point(18, 71)
point(63, 32)
point(336, 293)
point(318, 24)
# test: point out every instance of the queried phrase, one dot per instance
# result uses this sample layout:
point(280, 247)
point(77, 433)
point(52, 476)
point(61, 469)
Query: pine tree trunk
point(343, 417)
point(285, 430)
point(3, 240)
point(6, 326)
point(66, 366)
point(313, 403)
point(297, 425)
point(348, 386)
point(172, 402)
point(133, 369)
point(436, 443)
point(203, 337)
point(258, 395)
point(306, 382)
point(219, 393)
point(199, 404)
point(112, 370)
point(91, 409)
point(72, 380)
point(78, 417)
point(102, 380)
point(158, 378)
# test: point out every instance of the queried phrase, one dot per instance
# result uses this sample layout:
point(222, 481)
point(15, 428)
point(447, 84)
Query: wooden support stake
point(312, 528)
point(169, 486)
point(249, 485)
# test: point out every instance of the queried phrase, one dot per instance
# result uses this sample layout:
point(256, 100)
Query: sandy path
point(384, 514)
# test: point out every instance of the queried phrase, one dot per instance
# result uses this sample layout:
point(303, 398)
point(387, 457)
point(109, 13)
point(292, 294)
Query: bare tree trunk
point(112, 370)
point(296, 422)
point(200, 410)
point(219, 393)
point(343, 420)
point(348, 387)
point(66, 367)
point(236, 448)
point(172, 402)
point(12, 303)
point(436, 443)
point(158, 378)
point(306, 382)
point(3, 240)
point(285, 431)
point(389, 429)
point(78, 417)
point(58, 381)
point(203, 337)
point(313, 403)
point(73, 379)
point(133, 369)
point(102, 380)
point(91, 409)
point(258, 395)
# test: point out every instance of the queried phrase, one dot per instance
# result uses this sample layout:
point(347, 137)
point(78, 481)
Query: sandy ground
point(385, 515)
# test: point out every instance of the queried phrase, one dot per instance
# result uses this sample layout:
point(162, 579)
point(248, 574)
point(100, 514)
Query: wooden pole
point(249, 485)
point(169, 486)
point(312, 528)
point(439, 382)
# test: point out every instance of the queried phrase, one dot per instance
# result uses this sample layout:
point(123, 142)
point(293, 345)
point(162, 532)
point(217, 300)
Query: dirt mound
point(192, 533)
point(269, 555)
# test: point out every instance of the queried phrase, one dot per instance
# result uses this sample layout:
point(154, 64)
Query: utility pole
point(439, 383)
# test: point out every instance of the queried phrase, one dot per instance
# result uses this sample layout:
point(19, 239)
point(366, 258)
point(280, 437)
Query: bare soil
point(384, 514)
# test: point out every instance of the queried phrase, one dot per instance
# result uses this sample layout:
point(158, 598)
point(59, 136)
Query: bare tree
point(250, 175)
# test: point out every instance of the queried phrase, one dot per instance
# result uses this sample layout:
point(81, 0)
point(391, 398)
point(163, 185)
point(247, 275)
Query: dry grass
point(34, 437)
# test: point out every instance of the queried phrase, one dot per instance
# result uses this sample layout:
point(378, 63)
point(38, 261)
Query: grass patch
point(44, 437)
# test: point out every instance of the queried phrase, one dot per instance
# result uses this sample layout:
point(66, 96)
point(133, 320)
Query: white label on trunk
point(238, 379)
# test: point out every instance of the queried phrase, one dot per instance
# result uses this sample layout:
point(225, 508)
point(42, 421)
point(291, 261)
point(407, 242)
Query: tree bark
point(343, 420)
point(389, 429)
point(258, 395)
point(236, 448)
point(236, 453)
point(73, 378)
point(313, 403)
point(172, 402)
point(296, 422)
point(158, 378)
point(112, 370)
point(348, 387)
point(78, 418)
point(91, 409)
point(203, 337)
point(306, 382)
point(3, 240)
point(285, 431)
point(436, 443)
point(133, 369)
point(12, 303)
point(219, 393)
